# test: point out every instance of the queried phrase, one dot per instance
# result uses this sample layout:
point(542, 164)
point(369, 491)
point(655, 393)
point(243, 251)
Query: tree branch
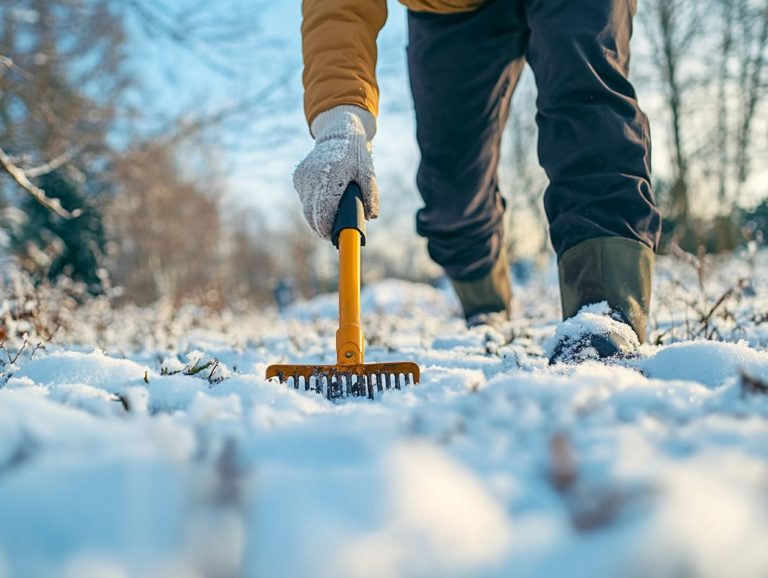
point(50, 166)
point(21, 178)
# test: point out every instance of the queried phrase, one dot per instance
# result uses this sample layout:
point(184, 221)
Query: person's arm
point(341, 100)
point(339, 49)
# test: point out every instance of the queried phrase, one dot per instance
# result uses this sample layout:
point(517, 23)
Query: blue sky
point(262, 151)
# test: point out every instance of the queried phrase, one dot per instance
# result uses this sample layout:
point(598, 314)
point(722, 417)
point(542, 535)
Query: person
point(464, 59)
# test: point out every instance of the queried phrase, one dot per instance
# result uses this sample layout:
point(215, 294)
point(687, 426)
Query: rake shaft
point(350, 343)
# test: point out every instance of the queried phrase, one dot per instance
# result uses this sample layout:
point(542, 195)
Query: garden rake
point(351, 376)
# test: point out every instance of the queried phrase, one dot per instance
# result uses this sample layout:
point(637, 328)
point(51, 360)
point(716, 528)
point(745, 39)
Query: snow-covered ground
point(126, 450)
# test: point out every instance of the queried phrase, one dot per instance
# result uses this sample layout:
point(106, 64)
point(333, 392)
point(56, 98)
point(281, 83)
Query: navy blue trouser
point(594, 141)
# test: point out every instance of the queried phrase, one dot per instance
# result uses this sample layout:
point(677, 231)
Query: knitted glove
point(342, 154)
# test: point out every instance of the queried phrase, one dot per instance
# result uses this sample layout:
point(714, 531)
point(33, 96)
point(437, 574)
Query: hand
point(342, 154)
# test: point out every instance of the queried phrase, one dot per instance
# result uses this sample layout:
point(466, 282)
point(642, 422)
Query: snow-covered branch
point(22, 179)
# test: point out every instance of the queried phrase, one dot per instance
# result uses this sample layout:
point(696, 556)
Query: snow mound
point(707, 362)
point(95, 369)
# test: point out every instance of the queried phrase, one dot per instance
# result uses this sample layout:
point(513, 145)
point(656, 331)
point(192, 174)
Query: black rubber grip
point(351, 214)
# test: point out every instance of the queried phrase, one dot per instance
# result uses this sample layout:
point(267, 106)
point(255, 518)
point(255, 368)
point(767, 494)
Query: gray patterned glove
point(342, 154)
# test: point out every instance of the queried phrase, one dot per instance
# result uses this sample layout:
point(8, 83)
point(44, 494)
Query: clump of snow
point(595, 319)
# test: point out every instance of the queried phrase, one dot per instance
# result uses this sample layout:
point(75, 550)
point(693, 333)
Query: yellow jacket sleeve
point(339, 49)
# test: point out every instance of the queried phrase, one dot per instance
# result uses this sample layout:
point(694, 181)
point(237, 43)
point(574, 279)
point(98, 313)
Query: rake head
point(337, 381)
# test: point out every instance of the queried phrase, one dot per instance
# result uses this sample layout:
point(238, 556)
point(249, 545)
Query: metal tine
point(396, 379)
point(334, 386)
point(387, 381)
point(379, 385)
point(295, 381)
point(308, 383)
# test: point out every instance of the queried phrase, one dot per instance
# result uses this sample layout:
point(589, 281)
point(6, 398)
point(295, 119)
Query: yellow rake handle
point(349, 235)
point(349, 337)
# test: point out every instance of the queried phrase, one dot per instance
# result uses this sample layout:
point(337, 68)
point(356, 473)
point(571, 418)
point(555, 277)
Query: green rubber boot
point(489, 295)
point(611, 269)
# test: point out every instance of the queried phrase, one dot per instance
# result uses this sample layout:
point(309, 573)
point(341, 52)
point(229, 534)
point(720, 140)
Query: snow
point(705, 362)
point(120, 457)
point(591, 319)
point(93, 369)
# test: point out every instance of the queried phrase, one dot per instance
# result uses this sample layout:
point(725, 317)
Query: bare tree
point(168, 228)
point(672, 28)
point(723, 86)
point(64, 77)
point(709, 58)
point(58, 87)
point(251, 260)
point(753, 35)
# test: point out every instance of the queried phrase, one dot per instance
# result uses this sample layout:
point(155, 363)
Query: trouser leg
point(463, 69)
point(594, 141)
point(594, 144)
